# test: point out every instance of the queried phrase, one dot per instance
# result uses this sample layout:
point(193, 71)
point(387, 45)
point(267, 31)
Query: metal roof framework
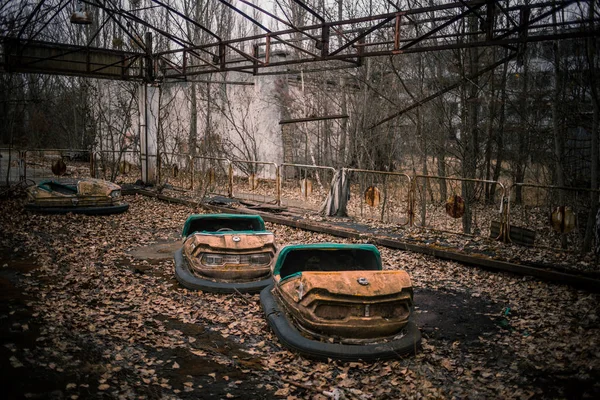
point(334, 44)
point(340, 43)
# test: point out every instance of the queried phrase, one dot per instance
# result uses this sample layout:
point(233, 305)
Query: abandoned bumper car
point(334, 301)
point(224, 253)
point(79, 196)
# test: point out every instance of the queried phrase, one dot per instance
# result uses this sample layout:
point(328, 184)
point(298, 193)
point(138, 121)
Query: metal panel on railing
point(212, 175)
point(52, 163)
point(123, 166)
point(12, 166)
point(305, 186)
point(458, 205)
point(380, 196)
point(175, 171)
point(256, 181)
point(558, 217)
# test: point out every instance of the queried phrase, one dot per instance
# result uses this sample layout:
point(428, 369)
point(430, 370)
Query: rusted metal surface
point(350, 304)
point(455, 206)
point(96, 187)
point(388, 195)
point(256, 180)
point(81, 17)
point(75, 193)
point(401, 31)
point(563, 219)
point(518, 235)
point(312, 118)
point(314, 182)
point(67, 59)
point(372, 196)
point(59, 168)
point(234, 252)
point(547, 209)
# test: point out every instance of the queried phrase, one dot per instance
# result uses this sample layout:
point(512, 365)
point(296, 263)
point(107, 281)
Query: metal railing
point(256, 181)
point(39, 164)
point(380, 195)
point(528, 213)
point(175, 170)
point(117, 165)
point(560, 216)
point(457, 205)
point(305, 186)
point(13, 167)
point(212, 175)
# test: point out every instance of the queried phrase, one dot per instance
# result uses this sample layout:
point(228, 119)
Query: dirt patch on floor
point(454, 316)
point(158, 251)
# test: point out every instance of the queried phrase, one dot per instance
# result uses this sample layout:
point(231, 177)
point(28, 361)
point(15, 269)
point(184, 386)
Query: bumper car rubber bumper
point(291, 337)
point(100, 210)
point(191, 281)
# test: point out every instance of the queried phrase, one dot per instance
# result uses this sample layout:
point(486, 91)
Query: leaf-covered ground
point(90, 309)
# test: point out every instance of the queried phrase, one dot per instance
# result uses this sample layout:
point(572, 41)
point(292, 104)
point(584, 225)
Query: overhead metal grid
point(37, 35)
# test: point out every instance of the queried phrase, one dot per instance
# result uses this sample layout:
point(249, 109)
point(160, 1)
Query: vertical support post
point(523, 33)
point(93, 164)
point(341, 198)
point(222, 56)
point(230, 194)
point(192, 165)
point(255, 62)
point(22, 165)
point(360, 50)
point(397, 33)
point(267, 48)
point(148, 107)
point(148, 101)
point(490, 17)
point(325, 41)
point(278, 183)
point(149, 73)
point(411, 201)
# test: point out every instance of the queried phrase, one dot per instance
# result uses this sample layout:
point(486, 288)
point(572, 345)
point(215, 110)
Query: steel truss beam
point(410, 31)
point(433, 28)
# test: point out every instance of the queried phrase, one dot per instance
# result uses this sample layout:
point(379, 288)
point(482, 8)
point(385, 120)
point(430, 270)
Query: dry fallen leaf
point(15, 362)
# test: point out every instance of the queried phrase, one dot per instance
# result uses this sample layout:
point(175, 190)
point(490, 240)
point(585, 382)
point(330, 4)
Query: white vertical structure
point(149, 108)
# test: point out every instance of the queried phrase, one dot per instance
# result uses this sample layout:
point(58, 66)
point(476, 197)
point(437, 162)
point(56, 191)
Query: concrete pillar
point(149, 108)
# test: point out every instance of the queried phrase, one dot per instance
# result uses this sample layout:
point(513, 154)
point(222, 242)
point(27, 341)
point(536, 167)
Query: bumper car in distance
point(335, 301)
point(80, 196)
point(225, 253)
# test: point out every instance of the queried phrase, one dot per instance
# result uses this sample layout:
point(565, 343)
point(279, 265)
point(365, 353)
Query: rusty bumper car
point(224, 253)
point(335, 301)
point(79, 196)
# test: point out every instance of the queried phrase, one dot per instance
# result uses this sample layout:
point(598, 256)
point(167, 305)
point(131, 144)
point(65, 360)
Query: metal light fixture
point(81, 16)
